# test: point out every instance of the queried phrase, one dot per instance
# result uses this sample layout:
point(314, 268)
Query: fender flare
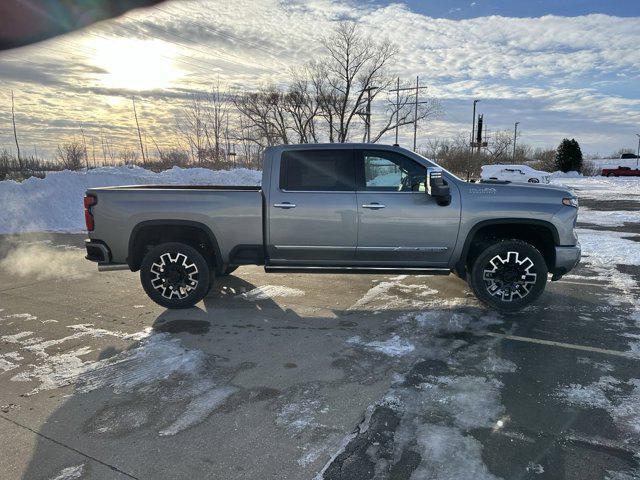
point(461, 263)
point(171, 222)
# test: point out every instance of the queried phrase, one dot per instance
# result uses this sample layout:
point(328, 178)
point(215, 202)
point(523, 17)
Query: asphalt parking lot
point(301, 377)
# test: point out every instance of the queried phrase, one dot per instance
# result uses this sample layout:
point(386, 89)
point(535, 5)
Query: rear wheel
point(611, 174)
point(534, 180)
point(175, 275)
point(508, 275)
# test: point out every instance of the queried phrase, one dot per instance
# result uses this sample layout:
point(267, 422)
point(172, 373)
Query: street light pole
point(515, 136)
point(638, 155)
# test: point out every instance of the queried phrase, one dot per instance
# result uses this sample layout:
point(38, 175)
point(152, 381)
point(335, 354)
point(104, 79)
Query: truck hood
point(522, 193)
point(532, 189)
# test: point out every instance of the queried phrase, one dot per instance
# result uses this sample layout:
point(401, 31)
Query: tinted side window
point(390, 171)
point(319, 170)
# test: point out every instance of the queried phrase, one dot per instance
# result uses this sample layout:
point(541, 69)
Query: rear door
point(312, 211)
point(398, 223)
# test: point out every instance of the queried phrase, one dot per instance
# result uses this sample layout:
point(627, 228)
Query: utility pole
point(397, 108)
point(638, 155)
point(473, 125)
point(416, 101)
point(135, 114)
point(367, 114)
point(15, 133)
point(473, 130)
point(515, 137)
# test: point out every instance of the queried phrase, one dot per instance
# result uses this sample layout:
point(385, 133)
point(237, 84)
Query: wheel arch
point(171, 230)
point(540, 233)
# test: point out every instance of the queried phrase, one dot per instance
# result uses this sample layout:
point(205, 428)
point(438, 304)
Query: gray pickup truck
point(350, 208)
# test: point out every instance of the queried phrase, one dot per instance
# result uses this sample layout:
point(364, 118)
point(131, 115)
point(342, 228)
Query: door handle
point(373, 206)
point(284, 205)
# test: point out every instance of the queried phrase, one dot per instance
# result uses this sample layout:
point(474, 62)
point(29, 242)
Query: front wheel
point(175, 275)
point(508, 275)
point(534, 180)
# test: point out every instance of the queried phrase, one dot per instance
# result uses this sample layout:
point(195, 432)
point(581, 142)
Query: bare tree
point(129, 156)
point(355, 63)
point(71, 155)
point(190, 125)
point(266, 116)
point(216, 114)
point(500, 146)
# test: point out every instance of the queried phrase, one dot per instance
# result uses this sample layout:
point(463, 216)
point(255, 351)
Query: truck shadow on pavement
point(249, 389)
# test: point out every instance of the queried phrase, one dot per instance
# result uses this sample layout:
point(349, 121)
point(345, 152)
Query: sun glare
point(135, 64)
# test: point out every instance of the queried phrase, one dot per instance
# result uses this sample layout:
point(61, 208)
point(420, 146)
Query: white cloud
point(569, 67)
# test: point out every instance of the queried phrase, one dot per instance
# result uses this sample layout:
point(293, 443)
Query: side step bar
point(367, 270)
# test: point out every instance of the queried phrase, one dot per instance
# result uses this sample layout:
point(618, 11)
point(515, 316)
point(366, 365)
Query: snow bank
point(54, 203)
point(605, 188)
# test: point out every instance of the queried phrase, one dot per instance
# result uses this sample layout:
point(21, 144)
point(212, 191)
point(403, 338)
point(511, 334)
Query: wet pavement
point(302, 377)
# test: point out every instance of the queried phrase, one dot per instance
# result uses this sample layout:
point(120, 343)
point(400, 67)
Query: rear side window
point(317, 170)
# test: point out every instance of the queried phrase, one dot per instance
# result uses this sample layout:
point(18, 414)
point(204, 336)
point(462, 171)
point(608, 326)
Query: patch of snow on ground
point(447, 453)
point(606, 249)
point(394, 347)
point(608, 219)
point(199, 408)
point(608, 393)
point(54, 203)
point(16, 338)
point(22, 316)
point(266, 292)
point(535, 468)
point(299, 415)
point(618, 188)
point(381, 296)
point(7, 361)
point(70, 473)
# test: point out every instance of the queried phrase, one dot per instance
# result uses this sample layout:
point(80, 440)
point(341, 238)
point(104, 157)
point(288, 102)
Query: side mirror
point(437, 187)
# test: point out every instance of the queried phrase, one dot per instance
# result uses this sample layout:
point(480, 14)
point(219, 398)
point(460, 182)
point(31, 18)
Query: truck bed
point(233, 214)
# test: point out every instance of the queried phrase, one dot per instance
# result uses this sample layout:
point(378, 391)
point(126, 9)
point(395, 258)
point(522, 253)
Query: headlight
point(570, 202)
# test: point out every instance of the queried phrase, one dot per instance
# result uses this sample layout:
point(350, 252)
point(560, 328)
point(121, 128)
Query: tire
point(173, 287)
point(505, 262)
point(227, 271)
point(534, 180)
point(611, 174)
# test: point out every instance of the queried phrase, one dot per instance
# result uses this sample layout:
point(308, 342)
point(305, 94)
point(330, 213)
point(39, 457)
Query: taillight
point(89, 201)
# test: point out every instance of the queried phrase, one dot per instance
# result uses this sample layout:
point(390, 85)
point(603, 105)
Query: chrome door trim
point(374, 206)
point(314, 247)
point(404, 249)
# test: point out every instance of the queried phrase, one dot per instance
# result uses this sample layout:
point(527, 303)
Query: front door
point(312, 215)
point(398, 223)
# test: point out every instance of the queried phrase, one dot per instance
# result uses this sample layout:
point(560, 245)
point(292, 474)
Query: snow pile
point(54, 203)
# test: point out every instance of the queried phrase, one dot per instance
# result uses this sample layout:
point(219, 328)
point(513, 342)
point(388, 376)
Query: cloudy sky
point(562, 69)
